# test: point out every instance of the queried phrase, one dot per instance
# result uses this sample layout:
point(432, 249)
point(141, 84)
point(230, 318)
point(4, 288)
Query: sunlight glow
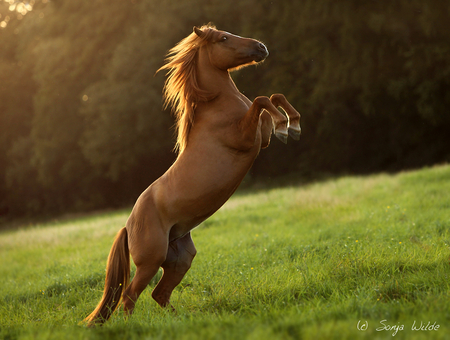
point(22, 7)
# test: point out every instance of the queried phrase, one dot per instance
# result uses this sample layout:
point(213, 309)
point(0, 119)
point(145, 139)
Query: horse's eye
point(224, 38)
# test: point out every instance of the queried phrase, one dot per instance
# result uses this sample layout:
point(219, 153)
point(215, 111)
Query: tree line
point(81, 120)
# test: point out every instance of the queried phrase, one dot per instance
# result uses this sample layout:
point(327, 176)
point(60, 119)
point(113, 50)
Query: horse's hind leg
point(180, 254)
point(148, 248)
point(279, 100)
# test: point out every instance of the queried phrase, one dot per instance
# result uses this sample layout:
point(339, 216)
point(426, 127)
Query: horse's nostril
point(262, 49)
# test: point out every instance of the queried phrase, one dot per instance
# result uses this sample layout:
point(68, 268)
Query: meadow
point(347, 258)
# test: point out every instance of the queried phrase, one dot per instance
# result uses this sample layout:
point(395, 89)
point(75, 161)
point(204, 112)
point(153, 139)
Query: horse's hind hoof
point(282, 136)
point(295, 133)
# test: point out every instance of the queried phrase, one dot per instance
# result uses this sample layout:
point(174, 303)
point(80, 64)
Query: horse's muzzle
point(260, 52)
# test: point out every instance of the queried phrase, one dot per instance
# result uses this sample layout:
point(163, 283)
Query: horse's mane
point(181, 90)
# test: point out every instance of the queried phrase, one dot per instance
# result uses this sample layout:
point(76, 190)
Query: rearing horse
point(220, 133)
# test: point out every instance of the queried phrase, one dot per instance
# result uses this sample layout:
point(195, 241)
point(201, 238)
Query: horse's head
point(228, 51)
point(224, 51)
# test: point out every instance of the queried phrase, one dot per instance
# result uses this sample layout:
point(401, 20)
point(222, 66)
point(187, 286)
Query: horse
point(220, 132)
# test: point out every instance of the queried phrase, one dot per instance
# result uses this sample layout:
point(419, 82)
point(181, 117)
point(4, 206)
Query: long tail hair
point(117, 279)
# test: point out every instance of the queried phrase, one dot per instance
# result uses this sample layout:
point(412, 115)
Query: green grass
point(298, 262)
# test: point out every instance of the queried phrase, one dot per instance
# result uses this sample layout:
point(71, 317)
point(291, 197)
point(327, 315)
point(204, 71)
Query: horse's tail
point(117, 279)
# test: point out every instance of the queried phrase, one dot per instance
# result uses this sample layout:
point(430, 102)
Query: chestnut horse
point(220, 133)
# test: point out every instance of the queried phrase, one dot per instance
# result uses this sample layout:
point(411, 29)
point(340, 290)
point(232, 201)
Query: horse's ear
point(198, 31)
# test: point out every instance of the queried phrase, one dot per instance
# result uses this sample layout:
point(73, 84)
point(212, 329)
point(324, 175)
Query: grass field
point(349, 258)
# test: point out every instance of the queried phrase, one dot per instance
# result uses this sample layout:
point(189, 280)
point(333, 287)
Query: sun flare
point(19, 7)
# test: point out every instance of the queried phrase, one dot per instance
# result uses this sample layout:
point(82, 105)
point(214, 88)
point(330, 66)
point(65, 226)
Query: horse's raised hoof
point(282, 136)
point(295, 132)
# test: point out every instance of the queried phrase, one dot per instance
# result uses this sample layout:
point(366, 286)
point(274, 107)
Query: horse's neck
point(213, 80)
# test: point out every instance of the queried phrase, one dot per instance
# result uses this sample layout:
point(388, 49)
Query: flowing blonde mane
point(181, 90)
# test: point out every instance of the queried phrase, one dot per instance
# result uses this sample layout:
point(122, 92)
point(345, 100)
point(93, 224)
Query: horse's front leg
point(266, 129)
point(249, 123)
point(279, 100)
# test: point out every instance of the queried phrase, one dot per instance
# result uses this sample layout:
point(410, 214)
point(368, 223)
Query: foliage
point(81, 119)
point(293, 262)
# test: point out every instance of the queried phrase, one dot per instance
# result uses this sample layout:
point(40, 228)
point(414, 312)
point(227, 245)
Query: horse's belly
point(197, 200)
point(190, 211)
point(199, 183)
